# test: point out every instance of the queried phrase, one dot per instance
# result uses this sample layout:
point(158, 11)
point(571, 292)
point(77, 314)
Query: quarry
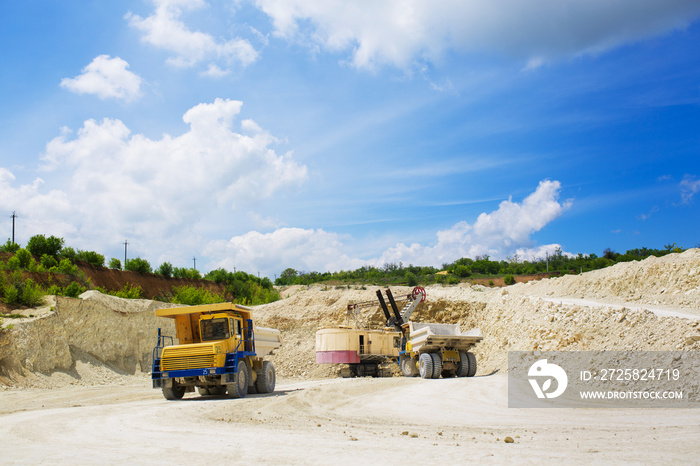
point(75, 383)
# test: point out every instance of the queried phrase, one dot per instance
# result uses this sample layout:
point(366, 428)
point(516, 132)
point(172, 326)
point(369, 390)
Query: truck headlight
point(164, 374)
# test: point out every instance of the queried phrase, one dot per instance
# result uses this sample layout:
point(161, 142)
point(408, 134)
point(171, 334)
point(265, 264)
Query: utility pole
point(125, 244)
point(14, 216)
point(195, 262)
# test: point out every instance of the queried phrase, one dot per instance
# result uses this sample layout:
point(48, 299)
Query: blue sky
point(330, 135)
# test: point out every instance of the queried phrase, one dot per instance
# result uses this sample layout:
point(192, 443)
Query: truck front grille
point(179, 358)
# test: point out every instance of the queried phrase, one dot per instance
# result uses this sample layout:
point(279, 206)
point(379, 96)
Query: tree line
point(55, 258)
point(465, 268)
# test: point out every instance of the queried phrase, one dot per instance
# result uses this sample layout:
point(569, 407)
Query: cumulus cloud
point(164, 29)
point(155, 189)
point(106, 77)
point(400, 32)
point(499, 234)
point(303, 249)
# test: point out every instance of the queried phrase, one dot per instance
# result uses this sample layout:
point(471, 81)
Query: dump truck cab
point(219, 351)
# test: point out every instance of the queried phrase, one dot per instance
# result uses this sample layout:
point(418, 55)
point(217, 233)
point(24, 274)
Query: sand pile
point(91, 340)
point(672, 280)
point(84, 340)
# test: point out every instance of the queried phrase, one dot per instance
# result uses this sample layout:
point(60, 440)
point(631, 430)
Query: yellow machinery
point(219, 351)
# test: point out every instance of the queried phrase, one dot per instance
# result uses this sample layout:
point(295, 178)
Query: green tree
point(288, 277)
point(40, 245)
point(91, 257)
point(138, 265)
point(115, 264)
point(165, 269)
point(69, 253)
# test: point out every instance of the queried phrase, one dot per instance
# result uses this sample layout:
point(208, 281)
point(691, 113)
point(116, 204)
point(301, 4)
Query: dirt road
point(392, 421)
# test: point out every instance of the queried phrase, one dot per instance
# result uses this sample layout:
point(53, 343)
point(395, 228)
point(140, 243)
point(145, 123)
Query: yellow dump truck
point(219, 351)
point(429, 349)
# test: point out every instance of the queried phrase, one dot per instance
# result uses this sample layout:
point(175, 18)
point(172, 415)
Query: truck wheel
point(408, 367)
point(239, 388)
point(266, 378)
point(463, 366)
point(472, 365)
point(437, 365)
point(175, 392)
point(425, 366)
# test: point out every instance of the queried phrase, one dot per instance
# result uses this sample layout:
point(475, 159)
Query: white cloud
point(400, 32)
point(106, 77)
point(690, 186)
point(303, 249)
point(164, 30)
point(499, 234)
point(162, 190)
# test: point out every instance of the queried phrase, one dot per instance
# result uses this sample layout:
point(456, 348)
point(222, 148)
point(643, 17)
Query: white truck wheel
point(437, 365)
point(425, 366)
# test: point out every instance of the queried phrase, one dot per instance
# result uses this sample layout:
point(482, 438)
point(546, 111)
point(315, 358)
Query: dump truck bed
point(266, 340)
point(426, 337)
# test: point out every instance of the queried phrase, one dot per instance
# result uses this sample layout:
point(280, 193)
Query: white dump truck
point(429, 349)
point(433, 350)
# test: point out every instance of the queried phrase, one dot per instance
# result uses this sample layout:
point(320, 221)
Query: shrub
point(24, 257)
point(9, 247)
point(115, 264)
point(74, 290)
point(129, 292)
point(192, 296)
point(69, 253)
point(13, 263)
point(65, 267)
point(509, 280)
point(411, 279)
point(23, 293)
point(179, 272)
point(138, 265)
point(40, 245)
point(48, 261)
point(91, 257)
point(165, 269)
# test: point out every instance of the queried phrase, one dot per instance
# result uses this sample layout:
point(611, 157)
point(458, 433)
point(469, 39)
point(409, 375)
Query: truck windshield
point(214, 329)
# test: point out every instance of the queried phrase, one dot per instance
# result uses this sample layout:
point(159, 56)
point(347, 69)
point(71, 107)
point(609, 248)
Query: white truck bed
point(266, 340)
point(426, 337)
